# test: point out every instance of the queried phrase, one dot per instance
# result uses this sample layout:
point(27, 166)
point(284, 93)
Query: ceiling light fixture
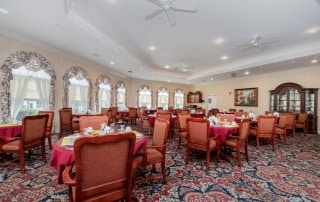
point(225, 57)
point(312, 30)
point(4, 11)
point(111, 62)
point(167, 66)
point(152, 48)
point(247, 72)
point(233, 74)
point(219, 40)
point(314, 61)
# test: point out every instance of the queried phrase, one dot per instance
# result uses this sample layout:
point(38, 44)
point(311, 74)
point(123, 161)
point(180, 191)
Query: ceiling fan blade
point(184, 8)
point(246, 48)
point(269, 42)
point(154, 13)
point(158, 2)
point(170, 16)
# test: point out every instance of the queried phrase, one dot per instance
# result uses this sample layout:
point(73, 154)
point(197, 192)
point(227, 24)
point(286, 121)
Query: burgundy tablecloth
point(10, 130)
point(223, 131)
point(62, 156)
point(152, 118)
point(197, 115)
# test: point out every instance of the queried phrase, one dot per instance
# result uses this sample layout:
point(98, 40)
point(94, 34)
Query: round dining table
point(151, 118)
point(223, 130)
point(10, 130)
point(64, 155)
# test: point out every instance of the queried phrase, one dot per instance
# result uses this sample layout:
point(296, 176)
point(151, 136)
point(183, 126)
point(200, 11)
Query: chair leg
point(163, 170)
point(257, 142)
point(238, 157)
point(246, 152)
point(22, 161)
point(179, 142)
point(208, 160)
point(187, 156)
point(50, 141)
point(43, 152)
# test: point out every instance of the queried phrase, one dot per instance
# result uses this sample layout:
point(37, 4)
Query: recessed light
point(211, 79)
point(314, 61)
point(218, 40)
point(111, 62)
point(312, 30)
point(4, 11)
point(167, 66)
point(224, 57)
point(247, 72)
point(152, 48)
point(168, 80)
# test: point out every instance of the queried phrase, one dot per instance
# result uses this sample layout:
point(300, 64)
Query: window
point(29, 92)
point(178, 99)
point(104, 95)
point(78, 95)
point(121, 95)
point(77, 90)
point(144, 97)
point(163, 98)
point(41, 81)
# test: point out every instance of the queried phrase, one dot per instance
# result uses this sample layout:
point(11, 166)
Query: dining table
point(152, 117)
point(224, 130)
point(197, 115)
point(63, 155)
point(10, 130)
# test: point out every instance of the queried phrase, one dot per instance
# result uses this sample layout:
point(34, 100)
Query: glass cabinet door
point(309, 102)
point(294, 100)
point(282, 102)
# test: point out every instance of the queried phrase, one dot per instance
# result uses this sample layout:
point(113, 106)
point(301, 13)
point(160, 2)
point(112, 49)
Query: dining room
point(36, 78)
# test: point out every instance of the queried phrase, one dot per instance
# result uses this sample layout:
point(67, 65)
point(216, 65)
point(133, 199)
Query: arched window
point(77, 90)
point(163, 98)
point(121, 97)
point(103, 92)
point(178, 99)
point(28, 85)
point(144, 97)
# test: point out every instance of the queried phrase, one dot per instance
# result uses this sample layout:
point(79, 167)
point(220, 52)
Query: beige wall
point(224, 90)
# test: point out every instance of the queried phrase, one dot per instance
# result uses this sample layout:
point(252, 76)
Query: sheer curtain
point(18, 92)
point(84, 97)
point(105, 97)
point(72, 94)
point(43, 86)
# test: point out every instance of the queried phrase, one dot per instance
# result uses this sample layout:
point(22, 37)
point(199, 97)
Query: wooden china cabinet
point(194, 97)
point(291, 97)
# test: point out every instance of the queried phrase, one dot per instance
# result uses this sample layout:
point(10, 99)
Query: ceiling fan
point(168, 7)
point(257, 44)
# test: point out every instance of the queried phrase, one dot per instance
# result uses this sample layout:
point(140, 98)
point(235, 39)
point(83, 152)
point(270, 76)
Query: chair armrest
point(154, 147)
point(66, 176)
point(215, 137)
point(233, 136)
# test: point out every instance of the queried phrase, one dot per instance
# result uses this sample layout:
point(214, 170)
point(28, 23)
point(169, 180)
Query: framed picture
point(246, 97)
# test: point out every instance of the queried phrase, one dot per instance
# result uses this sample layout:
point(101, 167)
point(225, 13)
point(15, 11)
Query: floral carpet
point(291, 173)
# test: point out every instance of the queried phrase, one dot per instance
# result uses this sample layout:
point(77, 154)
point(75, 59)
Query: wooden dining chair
point(155, 153)
point(237, 142)
point(227, 117)
point(132, 116)
point(103, 168)
point(182, 126)
point(67, 126)
point(198, 138)
point(92, 121)
point(265, 129)
point(301, 123)
point(291, 123)
point(104, 111)
point(167, 116)
point(49, 126)
point(33, 135)
point(281, 128)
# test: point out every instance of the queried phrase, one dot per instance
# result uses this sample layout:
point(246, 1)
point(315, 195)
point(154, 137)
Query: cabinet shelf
point(291, 97)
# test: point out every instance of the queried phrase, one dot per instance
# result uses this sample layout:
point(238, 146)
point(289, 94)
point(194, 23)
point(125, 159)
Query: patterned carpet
point(290, 174)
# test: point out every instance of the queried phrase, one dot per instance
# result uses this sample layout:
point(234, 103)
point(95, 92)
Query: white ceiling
point(116, 30)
